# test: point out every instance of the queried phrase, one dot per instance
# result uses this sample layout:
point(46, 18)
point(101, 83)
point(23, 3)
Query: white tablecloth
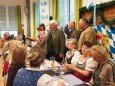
point(70, 79)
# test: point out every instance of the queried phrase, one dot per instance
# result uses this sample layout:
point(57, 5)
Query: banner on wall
point(44, 13)
point(109, 36)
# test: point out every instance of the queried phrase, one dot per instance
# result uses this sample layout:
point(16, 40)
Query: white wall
point(10, 2)
point(23, 15)
point(86, 2)
point(50, 3)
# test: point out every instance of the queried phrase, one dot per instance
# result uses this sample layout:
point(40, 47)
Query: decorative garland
point(99, 9)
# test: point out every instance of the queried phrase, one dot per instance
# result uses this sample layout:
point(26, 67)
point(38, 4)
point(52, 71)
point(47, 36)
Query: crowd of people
point(82, 57)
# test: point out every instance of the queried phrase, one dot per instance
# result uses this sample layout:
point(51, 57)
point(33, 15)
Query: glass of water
point(61, 72)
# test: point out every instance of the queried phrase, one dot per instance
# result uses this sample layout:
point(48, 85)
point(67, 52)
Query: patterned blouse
point(27, 77)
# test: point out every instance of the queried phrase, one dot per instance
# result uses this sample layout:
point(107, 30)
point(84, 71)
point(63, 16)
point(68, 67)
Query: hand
point(73, 66)
point(65, 64)
point(61, 55)
point(61, 82)
point(38, 41)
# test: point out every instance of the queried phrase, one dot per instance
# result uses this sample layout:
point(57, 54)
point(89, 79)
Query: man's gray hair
point(53, 22)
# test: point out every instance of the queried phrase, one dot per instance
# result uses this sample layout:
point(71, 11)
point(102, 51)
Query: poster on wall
point(44, 13)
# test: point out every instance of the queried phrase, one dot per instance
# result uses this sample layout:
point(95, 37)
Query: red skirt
point(82, 77)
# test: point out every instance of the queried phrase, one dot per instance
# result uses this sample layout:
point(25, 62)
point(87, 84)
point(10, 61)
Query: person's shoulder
point(21, 70)
point(46, 75)
point(90, 28)
point(111, 64)
point(90, 59)
point(44, 79)
point(60, 30)
point(77, 52)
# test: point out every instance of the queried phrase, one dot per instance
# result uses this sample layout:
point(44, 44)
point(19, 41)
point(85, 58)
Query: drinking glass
point(55, 69)
point(61, 72)
point(52, 59)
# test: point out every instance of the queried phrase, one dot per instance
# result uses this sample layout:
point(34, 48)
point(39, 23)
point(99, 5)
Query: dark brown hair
point(88, 44)
point(84, 20)
point(18, 56)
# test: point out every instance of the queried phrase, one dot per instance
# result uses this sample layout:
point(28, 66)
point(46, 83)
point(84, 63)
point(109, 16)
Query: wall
point(10, 2)
point(86, 2)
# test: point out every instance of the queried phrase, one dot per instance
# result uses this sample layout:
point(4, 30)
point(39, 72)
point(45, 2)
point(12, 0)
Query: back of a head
point(10, 38)
point(19, 54)
point(36, 58)
point(12, 44)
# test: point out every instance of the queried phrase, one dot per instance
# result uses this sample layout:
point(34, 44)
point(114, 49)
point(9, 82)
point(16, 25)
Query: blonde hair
point(36, 58)
point(11, 45)
point(99, 50)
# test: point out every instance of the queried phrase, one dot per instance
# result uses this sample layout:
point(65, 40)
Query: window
point(66, 8)
point(12, 18)
point(63, 11)
point(8, 20)
point(71, 10)
point(3, 24)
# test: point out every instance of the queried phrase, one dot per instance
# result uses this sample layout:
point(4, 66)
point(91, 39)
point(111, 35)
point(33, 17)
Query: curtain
point(55, 9)
point(37, 16)
point(77, 5)
point(62, 12)
point(19, 18)
point(28, 18)
point(34, 22)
